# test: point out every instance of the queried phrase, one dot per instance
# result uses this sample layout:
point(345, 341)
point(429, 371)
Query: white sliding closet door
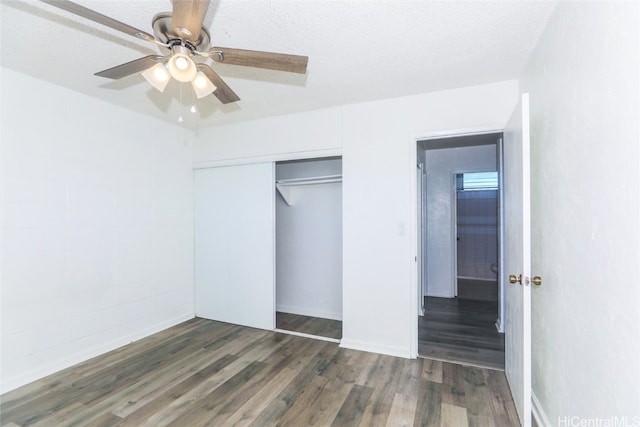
point(234, 244)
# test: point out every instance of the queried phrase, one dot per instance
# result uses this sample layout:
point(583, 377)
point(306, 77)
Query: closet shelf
point(309, 181)
point(286, 186)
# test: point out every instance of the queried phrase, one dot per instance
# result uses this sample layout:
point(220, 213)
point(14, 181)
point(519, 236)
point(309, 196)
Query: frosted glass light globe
point(182, 68)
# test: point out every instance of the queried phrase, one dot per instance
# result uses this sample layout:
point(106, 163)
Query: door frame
point(422, 227)
point(454, 227)
point(501, 242)
point(413, 159)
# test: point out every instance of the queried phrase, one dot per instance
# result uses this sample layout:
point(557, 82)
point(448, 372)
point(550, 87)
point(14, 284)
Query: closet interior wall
point(309, 239)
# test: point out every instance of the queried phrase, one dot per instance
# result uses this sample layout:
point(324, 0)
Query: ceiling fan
point(184, 39)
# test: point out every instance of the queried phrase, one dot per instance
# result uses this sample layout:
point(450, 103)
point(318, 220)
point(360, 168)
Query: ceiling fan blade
point(253, 58)
point(222, 92)
point(187, 17)
point(131, 67)
point(92, 15)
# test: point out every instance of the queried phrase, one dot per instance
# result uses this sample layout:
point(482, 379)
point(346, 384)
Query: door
point(518, 259)
point(234, 244)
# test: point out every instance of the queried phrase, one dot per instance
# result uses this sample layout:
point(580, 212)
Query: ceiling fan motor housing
point(161, 24)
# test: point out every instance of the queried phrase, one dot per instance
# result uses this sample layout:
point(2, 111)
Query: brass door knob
point(515, 279)
point(537, 280)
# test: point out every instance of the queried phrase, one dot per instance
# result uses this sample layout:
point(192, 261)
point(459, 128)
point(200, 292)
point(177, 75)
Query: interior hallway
point(461, 330)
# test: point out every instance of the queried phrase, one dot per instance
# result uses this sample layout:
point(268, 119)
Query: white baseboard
point(375, 348)
point(12, 383)
point(538, 412)
point(304, 311)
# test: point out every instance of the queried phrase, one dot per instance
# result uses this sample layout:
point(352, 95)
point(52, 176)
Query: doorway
point(476, 195)
point(456, 325)
point(308, 211)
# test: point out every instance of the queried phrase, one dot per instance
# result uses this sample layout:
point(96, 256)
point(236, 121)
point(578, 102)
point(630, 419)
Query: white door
point(234, 244)
point(518, 259)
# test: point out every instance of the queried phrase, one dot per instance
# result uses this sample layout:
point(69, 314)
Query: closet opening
point(308, 240)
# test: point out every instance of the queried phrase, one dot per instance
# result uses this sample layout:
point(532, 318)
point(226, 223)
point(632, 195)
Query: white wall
point(97, 245)
point(309, 242)
point(378, 141)
point(441, 166)
point(293, 136)
point(584, 83)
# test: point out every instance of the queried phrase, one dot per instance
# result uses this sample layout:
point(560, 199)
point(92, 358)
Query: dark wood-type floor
point(206, 373)
point(309, 325)
point(486, 290)
point(462, 331)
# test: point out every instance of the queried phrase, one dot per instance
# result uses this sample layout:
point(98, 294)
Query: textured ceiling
point(358, 51)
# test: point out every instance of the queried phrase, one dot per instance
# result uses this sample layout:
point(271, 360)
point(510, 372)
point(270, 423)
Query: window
point(477, 181)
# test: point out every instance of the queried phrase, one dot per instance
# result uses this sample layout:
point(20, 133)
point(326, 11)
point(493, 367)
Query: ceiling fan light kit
point(202, 86)
point(158, 76)
point(182, 33)
point(181, 66)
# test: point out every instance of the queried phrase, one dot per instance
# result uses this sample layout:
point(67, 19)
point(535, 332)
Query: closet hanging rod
point(311, 180)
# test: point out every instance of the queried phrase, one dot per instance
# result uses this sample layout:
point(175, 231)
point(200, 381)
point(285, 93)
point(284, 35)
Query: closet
point(268, 245)
point(309, 246)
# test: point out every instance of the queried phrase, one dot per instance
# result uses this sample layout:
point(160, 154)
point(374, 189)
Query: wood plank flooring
point(207, 373)
point(309, 325)
point(486, 290)
point(461, 331)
